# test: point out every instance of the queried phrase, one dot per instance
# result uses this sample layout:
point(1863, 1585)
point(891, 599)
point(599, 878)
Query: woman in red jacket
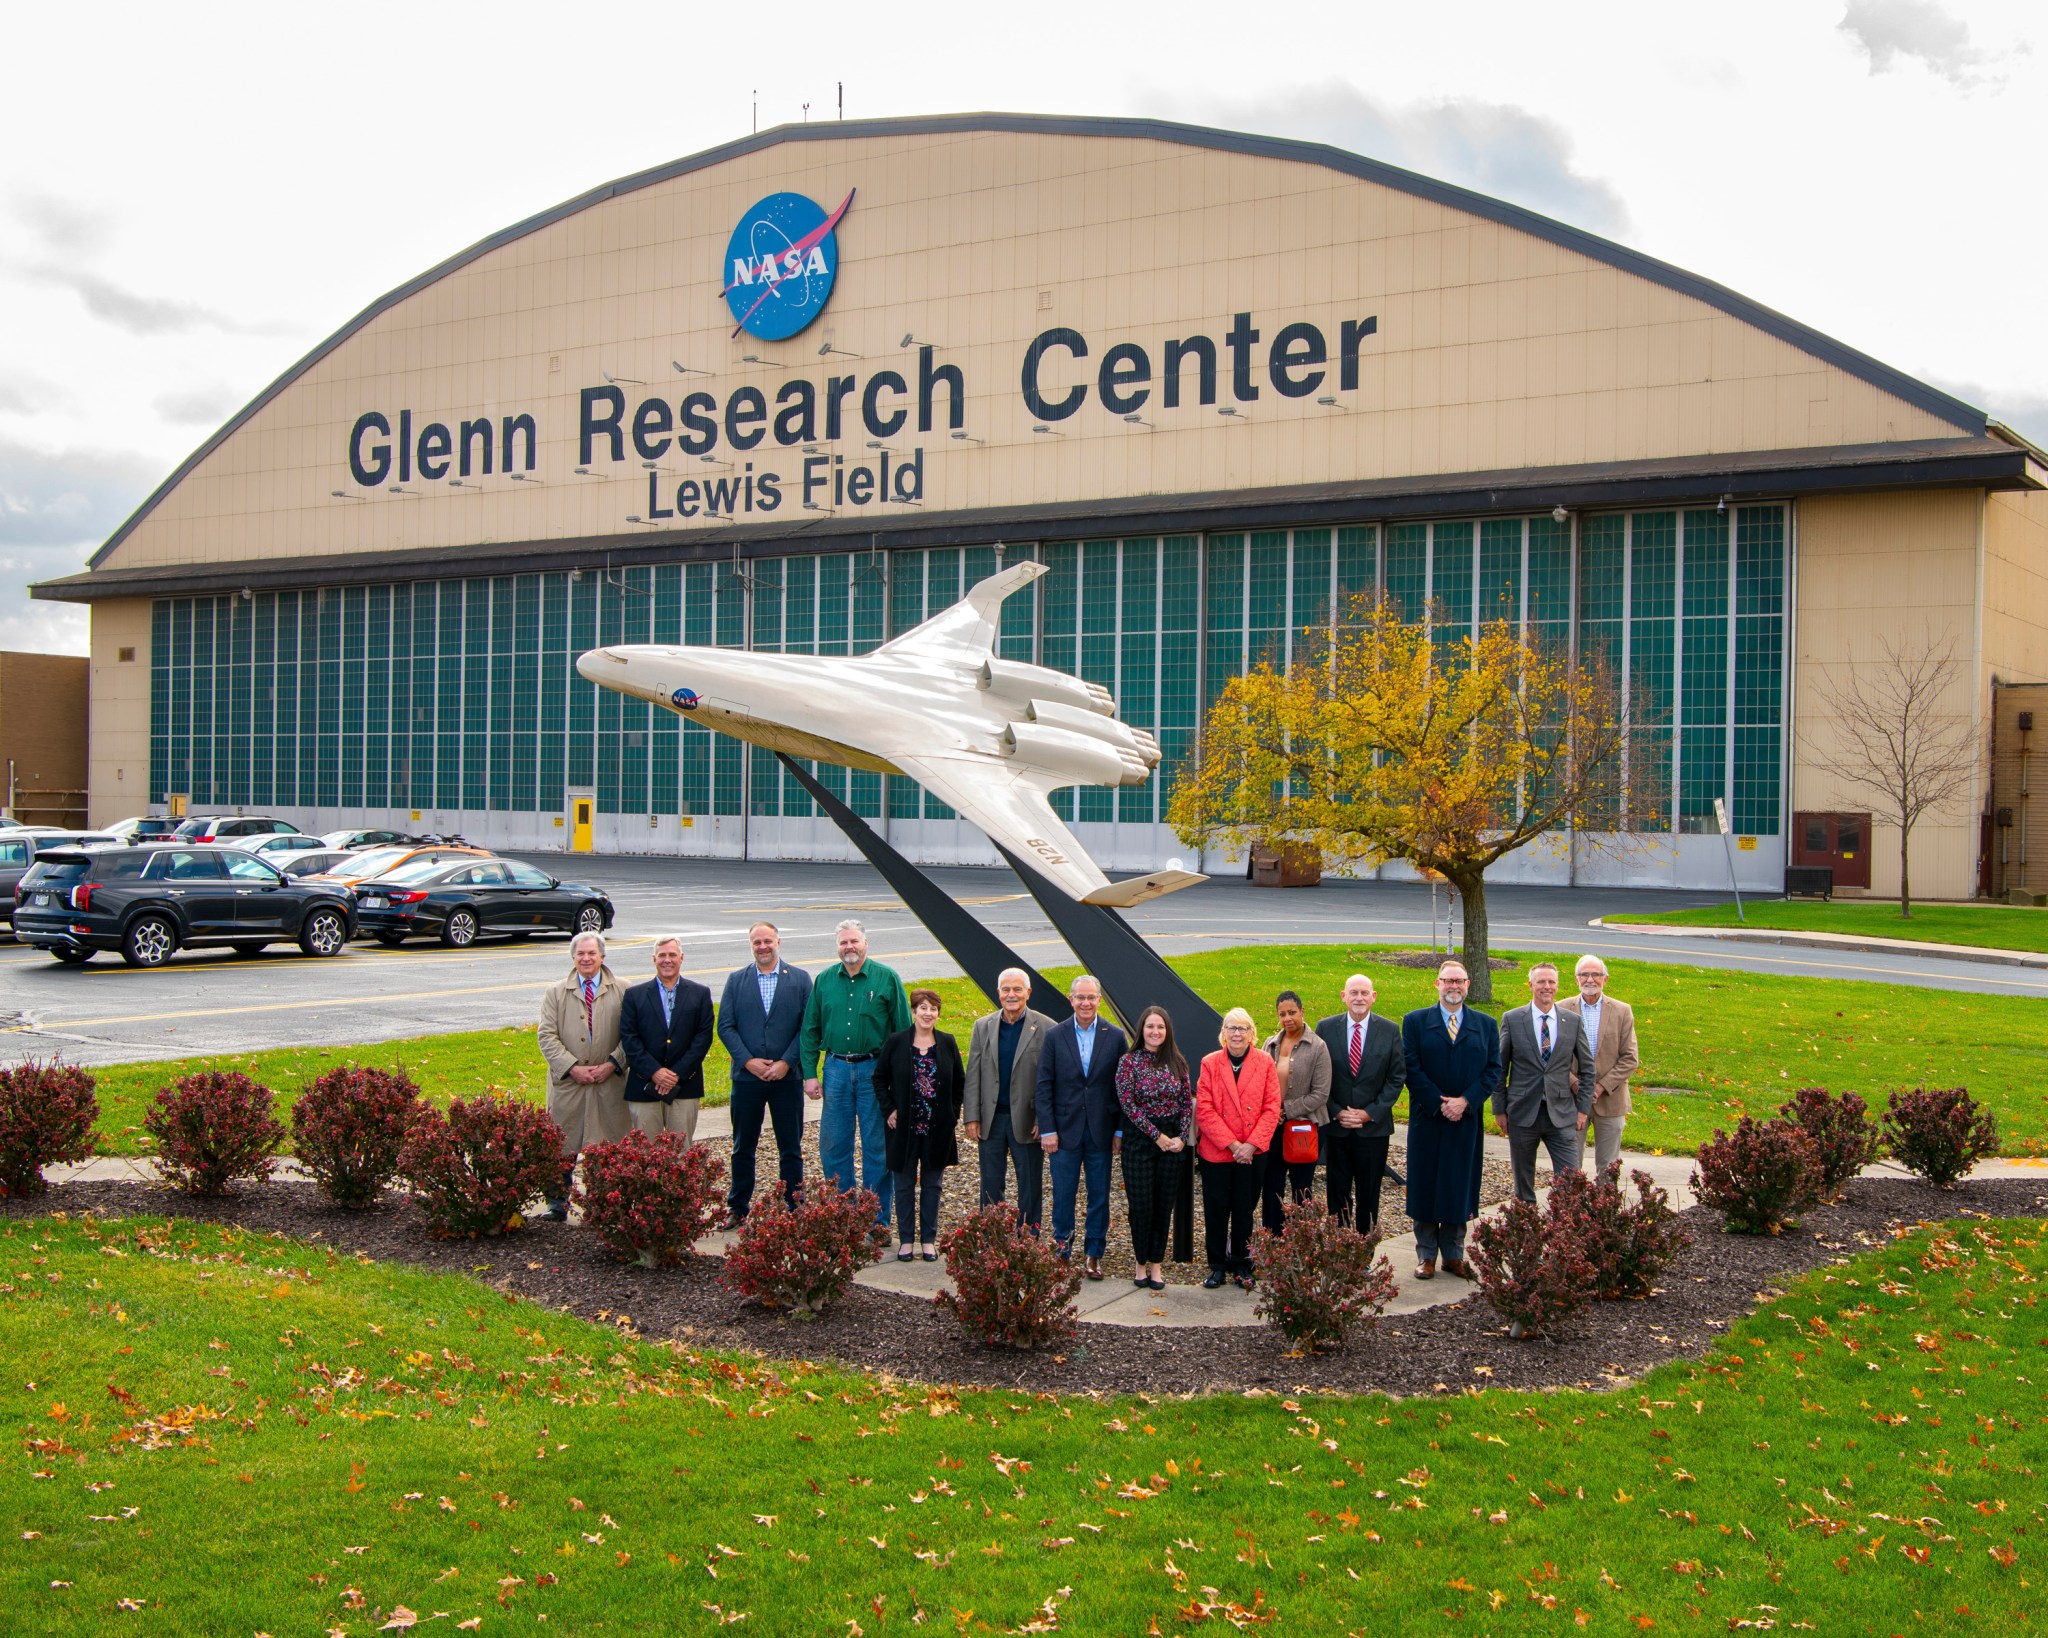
point(1237, 1106)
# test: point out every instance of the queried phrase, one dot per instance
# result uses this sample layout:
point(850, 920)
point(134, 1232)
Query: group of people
point(1070, 1097)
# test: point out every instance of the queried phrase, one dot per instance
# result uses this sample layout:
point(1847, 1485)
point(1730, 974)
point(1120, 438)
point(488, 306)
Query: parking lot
point(215, 1002)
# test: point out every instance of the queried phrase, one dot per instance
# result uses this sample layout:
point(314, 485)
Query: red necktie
point(1357, 1046)
point(590, 1005)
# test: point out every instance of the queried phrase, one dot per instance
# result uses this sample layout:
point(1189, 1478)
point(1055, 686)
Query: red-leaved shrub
point(802, 1257)
point(1759, 1176)
point(1534, 1273)
point(1939, 1134)
point(1320, 1279)
point(648, 1199)
point(472, 1170)
point(1844, 1136)
point(46, 1114)
point(348, 1128)
point(212, 1128)
point(1010, 1289)
point(1627, 1244)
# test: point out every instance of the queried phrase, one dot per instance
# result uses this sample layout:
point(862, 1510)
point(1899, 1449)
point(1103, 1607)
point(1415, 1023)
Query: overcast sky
point(193, 196)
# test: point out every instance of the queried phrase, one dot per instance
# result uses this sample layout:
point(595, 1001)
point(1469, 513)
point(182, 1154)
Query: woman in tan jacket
point(1304, 1064)
point(579, 1037)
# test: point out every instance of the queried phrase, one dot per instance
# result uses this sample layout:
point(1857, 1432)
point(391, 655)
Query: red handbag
point(1300, 1142)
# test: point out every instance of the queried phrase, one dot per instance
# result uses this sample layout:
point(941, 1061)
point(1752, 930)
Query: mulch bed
point(1436, 1351)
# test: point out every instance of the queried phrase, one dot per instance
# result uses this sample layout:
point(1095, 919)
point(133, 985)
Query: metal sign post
point(1728, 845)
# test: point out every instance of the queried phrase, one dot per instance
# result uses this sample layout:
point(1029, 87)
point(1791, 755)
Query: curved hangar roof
point(1051, 323)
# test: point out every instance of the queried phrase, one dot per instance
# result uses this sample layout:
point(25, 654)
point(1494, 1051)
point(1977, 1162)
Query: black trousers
point(923, 1201)
point(1000, 1150)
point(1151, 1177)
point(1358, 1165)
point(783, 1103)
point(1230, 1196)
point(1280, 1180)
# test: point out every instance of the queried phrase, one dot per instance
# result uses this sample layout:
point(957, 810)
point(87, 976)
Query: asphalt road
point(214, 1002)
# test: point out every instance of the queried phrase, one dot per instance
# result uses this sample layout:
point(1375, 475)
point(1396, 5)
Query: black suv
point(21, 845)
point(149, 900)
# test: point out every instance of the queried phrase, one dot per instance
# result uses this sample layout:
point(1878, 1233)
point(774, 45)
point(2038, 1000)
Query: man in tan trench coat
point(579, 1037)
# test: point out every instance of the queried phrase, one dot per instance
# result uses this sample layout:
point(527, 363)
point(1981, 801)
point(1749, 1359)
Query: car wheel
point(71, 955)
point(149, 942)
point(460, 931)
point(323, 933)
point(390, 941)
point(590, 919)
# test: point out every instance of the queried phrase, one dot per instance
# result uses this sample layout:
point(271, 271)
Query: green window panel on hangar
point(417, 695)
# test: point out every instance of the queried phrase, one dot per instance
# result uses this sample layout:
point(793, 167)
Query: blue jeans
point(849, 1099)
point(1068, 1166)
point(1447, 1239)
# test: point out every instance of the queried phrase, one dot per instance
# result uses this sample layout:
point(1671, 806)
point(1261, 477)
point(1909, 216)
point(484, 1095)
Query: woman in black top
point(918, 1082)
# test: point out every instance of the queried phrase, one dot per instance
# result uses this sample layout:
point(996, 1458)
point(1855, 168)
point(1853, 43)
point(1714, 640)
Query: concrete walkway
point(1828, 941)
point(1113, 1301)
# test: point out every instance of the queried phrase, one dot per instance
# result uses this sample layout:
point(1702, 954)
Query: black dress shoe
point(1156, 1285)
point(1215, 1280)
point(929, 1256)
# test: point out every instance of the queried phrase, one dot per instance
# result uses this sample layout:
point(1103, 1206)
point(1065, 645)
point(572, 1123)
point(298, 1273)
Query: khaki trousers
point(1607, 1141)
point(660, 1115)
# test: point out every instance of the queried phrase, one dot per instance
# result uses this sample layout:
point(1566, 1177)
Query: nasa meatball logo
point(684, 699)
point(781, 265)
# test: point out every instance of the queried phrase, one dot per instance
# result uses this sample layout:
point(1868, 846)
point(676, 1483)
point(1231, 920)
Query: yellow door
point(579, 824)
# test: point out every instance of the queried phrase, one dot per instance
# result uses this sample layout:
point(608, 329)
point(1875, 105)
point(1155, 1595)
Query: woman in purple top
point(1158, 1103)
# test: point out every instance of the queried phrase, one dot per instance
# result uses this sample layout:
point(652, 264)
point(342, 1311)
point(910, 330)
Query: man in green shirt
point(854, 1007)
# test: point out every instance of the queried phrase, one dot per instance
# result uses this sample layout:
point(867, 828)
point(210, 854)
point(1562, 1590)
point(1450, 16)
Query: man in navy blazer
point(1453, 1056)
point(761, 1022)
point(664, 1033)
point(1077, 1116)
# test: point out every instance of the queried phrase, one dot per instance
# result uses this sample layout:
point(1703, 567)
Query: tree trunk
point(1905, 879)
point(1472, 899)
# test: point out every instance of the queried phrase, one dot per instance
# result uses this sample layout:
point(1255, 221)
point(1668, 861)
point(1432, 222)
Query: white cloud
point(2025, 411)
point(1891, 30)
point(1494, 148)
point(46, 628)
point(55, 509)
point(207, 405)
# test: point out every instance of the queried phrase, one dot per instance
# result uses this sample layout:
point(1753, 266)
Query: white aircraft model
point(990, 738)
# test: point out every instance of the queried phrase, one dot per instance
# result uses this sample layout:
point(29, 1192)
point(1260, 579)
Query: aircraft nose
point(603, 665)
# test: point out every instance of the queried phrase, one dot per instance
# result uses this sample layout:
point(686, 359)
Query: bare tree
point(1898, 740)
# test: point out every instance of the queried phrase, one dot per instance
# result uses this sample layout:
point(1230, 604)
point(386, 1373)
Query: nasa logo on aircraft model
point(781, 264)
point(684, 699)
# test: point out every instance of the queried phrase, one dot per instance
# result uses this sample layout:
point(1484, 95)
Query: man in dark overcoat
point(1453, 1058)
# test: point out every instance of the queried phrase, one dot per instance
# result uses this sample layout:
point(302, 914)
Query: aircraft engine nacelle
point(1124, 737)
point(1089, 760)
point(1013, 680)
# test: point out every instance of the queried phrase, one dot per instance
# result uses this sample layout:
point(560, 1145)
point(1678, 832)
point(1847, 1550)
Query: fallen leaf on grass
point(470, 1625)
point(401, 1619)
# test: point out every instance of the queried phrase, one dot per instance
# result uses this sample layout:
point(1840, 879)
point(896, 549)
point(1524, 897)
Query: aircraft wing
point(1011, 805)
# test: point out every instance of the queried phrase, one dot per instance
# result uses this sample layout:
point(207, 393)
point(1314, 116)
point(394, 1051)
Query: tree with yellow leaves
point(1379, 743)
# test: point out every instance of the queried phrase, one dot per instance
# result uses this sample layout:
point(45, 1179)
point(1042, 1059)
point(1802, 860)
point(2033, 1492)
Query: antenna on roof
point(842, 99)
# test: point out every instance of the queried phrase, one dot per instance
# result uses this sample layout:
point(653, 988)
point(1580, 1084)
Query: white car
point(306, 861)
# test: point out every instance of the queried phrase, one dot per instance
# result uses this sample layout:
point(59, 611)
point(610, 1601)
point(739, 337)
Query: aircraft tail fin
point(967, 630)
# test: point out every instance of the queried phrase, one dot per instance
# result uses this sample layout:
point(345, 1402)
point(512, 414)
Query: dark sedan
point(476, 898)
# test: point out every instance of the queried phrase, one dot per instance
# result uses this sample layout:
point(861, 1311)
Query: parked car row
point(88, 892)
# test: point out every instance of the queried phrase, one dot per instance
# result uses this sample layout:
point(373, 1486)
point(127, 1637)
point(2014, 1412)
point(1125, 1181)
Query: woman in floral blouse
point(918, 1082)
point(1159, 1117)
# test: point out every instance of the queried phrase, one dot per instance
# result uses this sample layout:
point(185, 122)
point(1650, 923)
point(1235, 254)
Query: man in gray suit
point(1546, 1083)
point(1002, 1058)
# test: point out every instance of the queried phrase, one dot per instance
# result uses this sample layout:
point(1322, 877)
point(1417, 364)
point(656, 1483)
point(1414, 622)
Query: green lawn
point(1721, 1044)
point(217, 1433)
point(1989, 926)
